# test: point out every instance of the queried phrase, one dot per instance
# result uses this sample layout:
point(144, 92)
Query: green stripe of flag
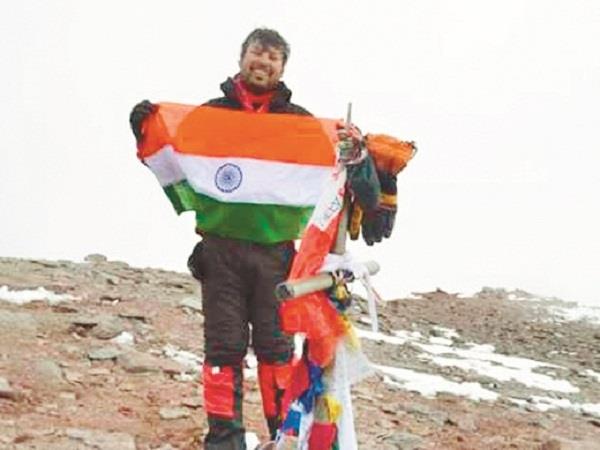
point(262, 223)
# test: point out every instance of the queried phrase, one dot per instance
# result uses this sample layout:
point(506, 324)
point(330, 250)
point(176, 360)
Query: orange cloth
point(390, 154)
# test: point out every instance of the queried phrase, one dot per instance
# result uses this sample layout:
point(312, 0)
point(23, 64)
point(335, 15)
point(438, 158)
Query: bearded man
point(238, 277)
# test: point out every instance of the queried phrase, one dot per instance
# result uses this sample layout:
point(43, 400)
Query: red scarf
point(250, 101)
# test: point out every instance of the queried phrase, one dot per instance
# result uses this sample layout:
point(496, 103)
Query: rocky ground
point(108, 358)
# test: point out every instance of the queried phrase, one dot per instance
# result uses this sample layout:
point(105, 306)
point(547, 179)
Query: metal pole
point(319, 282)
point(339, 247)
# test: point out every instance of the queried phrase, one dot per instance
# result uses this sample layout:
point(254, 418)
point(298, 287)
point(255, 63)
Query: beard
point(258, 82)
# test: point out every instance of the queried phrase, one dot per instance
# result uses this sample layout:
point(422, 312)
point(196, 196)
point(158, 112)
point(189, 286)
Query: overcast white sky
point(502, 97)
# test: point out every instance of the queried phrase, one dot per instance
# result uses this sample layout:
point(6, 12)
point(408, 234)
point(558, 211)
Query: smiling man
point(261, 64)
point(258, 86)
point(238, 277)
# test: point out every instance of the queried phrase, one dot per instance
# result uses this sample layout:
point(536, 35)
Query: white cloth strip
point(164, 166)
point(242, 180)
point(372, 298)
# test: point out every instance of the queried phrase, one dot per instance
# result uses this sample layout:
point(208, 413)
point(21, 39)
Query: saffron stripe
point(220, 132)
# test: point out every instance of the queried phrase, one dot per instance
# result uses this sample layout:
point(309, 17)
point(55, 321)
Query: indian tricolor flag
point(249, 176)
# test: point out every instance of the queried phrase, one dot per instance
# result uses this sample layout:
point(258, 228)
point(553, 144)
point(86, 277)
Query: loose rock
point(6, 391)
point(463, 423)
point(173, 413)
point(108, 328)
point(71, 396)
point(17, 322)
point(99, 371)
point(49, 372)
point(102, 440)
point(85, 321)
point(95, 258)
point(552, 444)
point(136, 362)
point(104, 353)
point(8, 431)
point(134, 316)
point(405, 441)
point(174, 368)
point(191, 302)
point(192, 402)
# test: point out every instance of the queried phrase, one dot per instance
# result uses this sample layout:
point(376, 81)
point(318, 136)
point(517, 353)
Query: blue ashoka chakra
point(228, 178)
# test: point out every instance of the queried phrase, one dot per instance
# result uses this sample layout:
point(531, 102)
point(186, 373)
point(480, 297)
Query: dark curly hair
point(267, 38)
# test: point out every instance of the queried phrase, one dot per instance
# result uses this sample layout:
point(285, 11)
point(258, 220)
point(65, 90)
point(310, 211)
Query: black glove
point(139, 113)
point(378, 223)
point(195, 261)
point(372, 227)
point(364, 183)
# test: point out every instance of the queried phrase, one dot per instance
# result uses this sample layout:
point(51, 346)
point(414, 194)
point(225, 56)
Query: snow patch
point(448, 333)
point(568, 311)
point(501, 373)
point(408, 335)
point(485, 353)
point(401, 337)
point(440, 341)
point(430, 385)
point(125, 338)
point(518, 401)
point(592, 374)
point(252, 440)
point(521, 297)
point(366, 320)
point(591, 409)
point(546, 403)
point(576, 313)
point(483, 360)
point(479, 358)
point(30, 295)
point(183, 357)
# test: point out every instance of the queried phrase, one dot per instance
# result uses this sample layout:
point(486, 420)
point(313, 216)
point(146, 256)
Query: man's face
point(261, 67)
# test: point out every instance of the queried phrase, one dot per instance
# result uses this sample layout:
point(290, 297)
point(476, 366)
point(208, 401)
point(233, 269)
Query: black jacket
point(279, 104)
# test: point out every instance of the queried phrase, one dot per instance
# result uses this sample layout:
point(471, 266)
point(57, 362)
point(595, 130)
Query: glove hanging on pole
point(377, 219)
point(364, 184)
point(138, 114)
point(378, 223)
